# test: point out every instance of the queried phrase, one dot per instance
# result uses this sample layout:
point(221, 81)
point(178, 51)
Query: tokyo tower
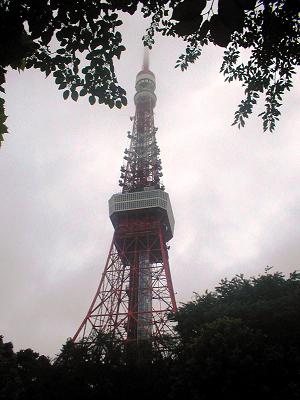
point(135, 294)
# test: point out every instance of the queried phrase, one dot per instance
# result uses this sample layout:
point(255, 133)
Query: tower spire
point(135, 294)
point(142, 164)
point(146, 59)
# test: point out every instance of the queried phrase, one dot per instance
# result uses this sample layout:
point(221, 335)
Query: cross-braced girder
point(142, 163)
point(128, 307)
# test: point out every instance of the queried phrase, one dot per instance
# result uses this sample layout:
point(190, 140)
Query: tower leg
point(135, 294)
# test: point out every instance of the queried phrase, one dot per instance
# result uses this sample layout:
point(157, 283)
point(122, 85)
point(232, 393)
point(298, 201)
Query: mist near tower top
point(77, 43)
point(146, 62)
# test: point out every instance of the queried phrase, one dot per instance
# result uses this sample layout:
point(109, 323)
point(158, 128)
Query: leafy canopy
point(260, 301)
point(78, 41)
point(239, 341)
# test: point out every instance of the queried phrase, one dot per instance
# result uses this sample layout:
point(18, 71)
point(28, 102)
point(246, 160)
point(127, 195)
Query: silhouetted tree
point(10, 385)
point(242, 340)
point(35, 374)
point(24, 375)
point(78, 41)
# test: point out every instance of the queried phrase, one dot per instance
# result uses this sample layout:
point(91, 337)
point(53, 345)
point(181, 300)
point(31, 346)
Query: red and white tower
point(135, 294)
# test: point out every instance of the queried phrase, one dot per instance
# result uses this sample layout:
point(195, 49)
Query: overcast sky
point(235, 194)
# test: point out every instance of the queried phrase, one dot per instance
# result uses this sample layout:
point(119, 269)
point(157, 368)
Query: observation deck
point(145, 86)
point(155, 201)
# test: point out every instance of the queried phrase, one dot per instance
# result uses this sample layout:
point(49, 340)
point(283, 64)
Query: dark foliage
point(77, 42)
point(24, 375)
point(78, 373)
point(262, 40)
point(240, 341)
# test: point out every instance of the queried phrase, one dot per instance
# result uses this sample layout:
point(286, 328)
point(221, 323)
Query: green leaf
point(4, 129)
point(88, 77)
point(92, 100)
point(83, 92)
point(59, 80)
point(63, 85)
point(85, 70)
point(66, 94)
point(124, 101)
point(74, 95)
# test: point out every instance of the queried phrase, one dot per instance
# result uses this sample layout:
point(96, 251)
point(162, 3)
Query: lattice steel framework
point(135, 294)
